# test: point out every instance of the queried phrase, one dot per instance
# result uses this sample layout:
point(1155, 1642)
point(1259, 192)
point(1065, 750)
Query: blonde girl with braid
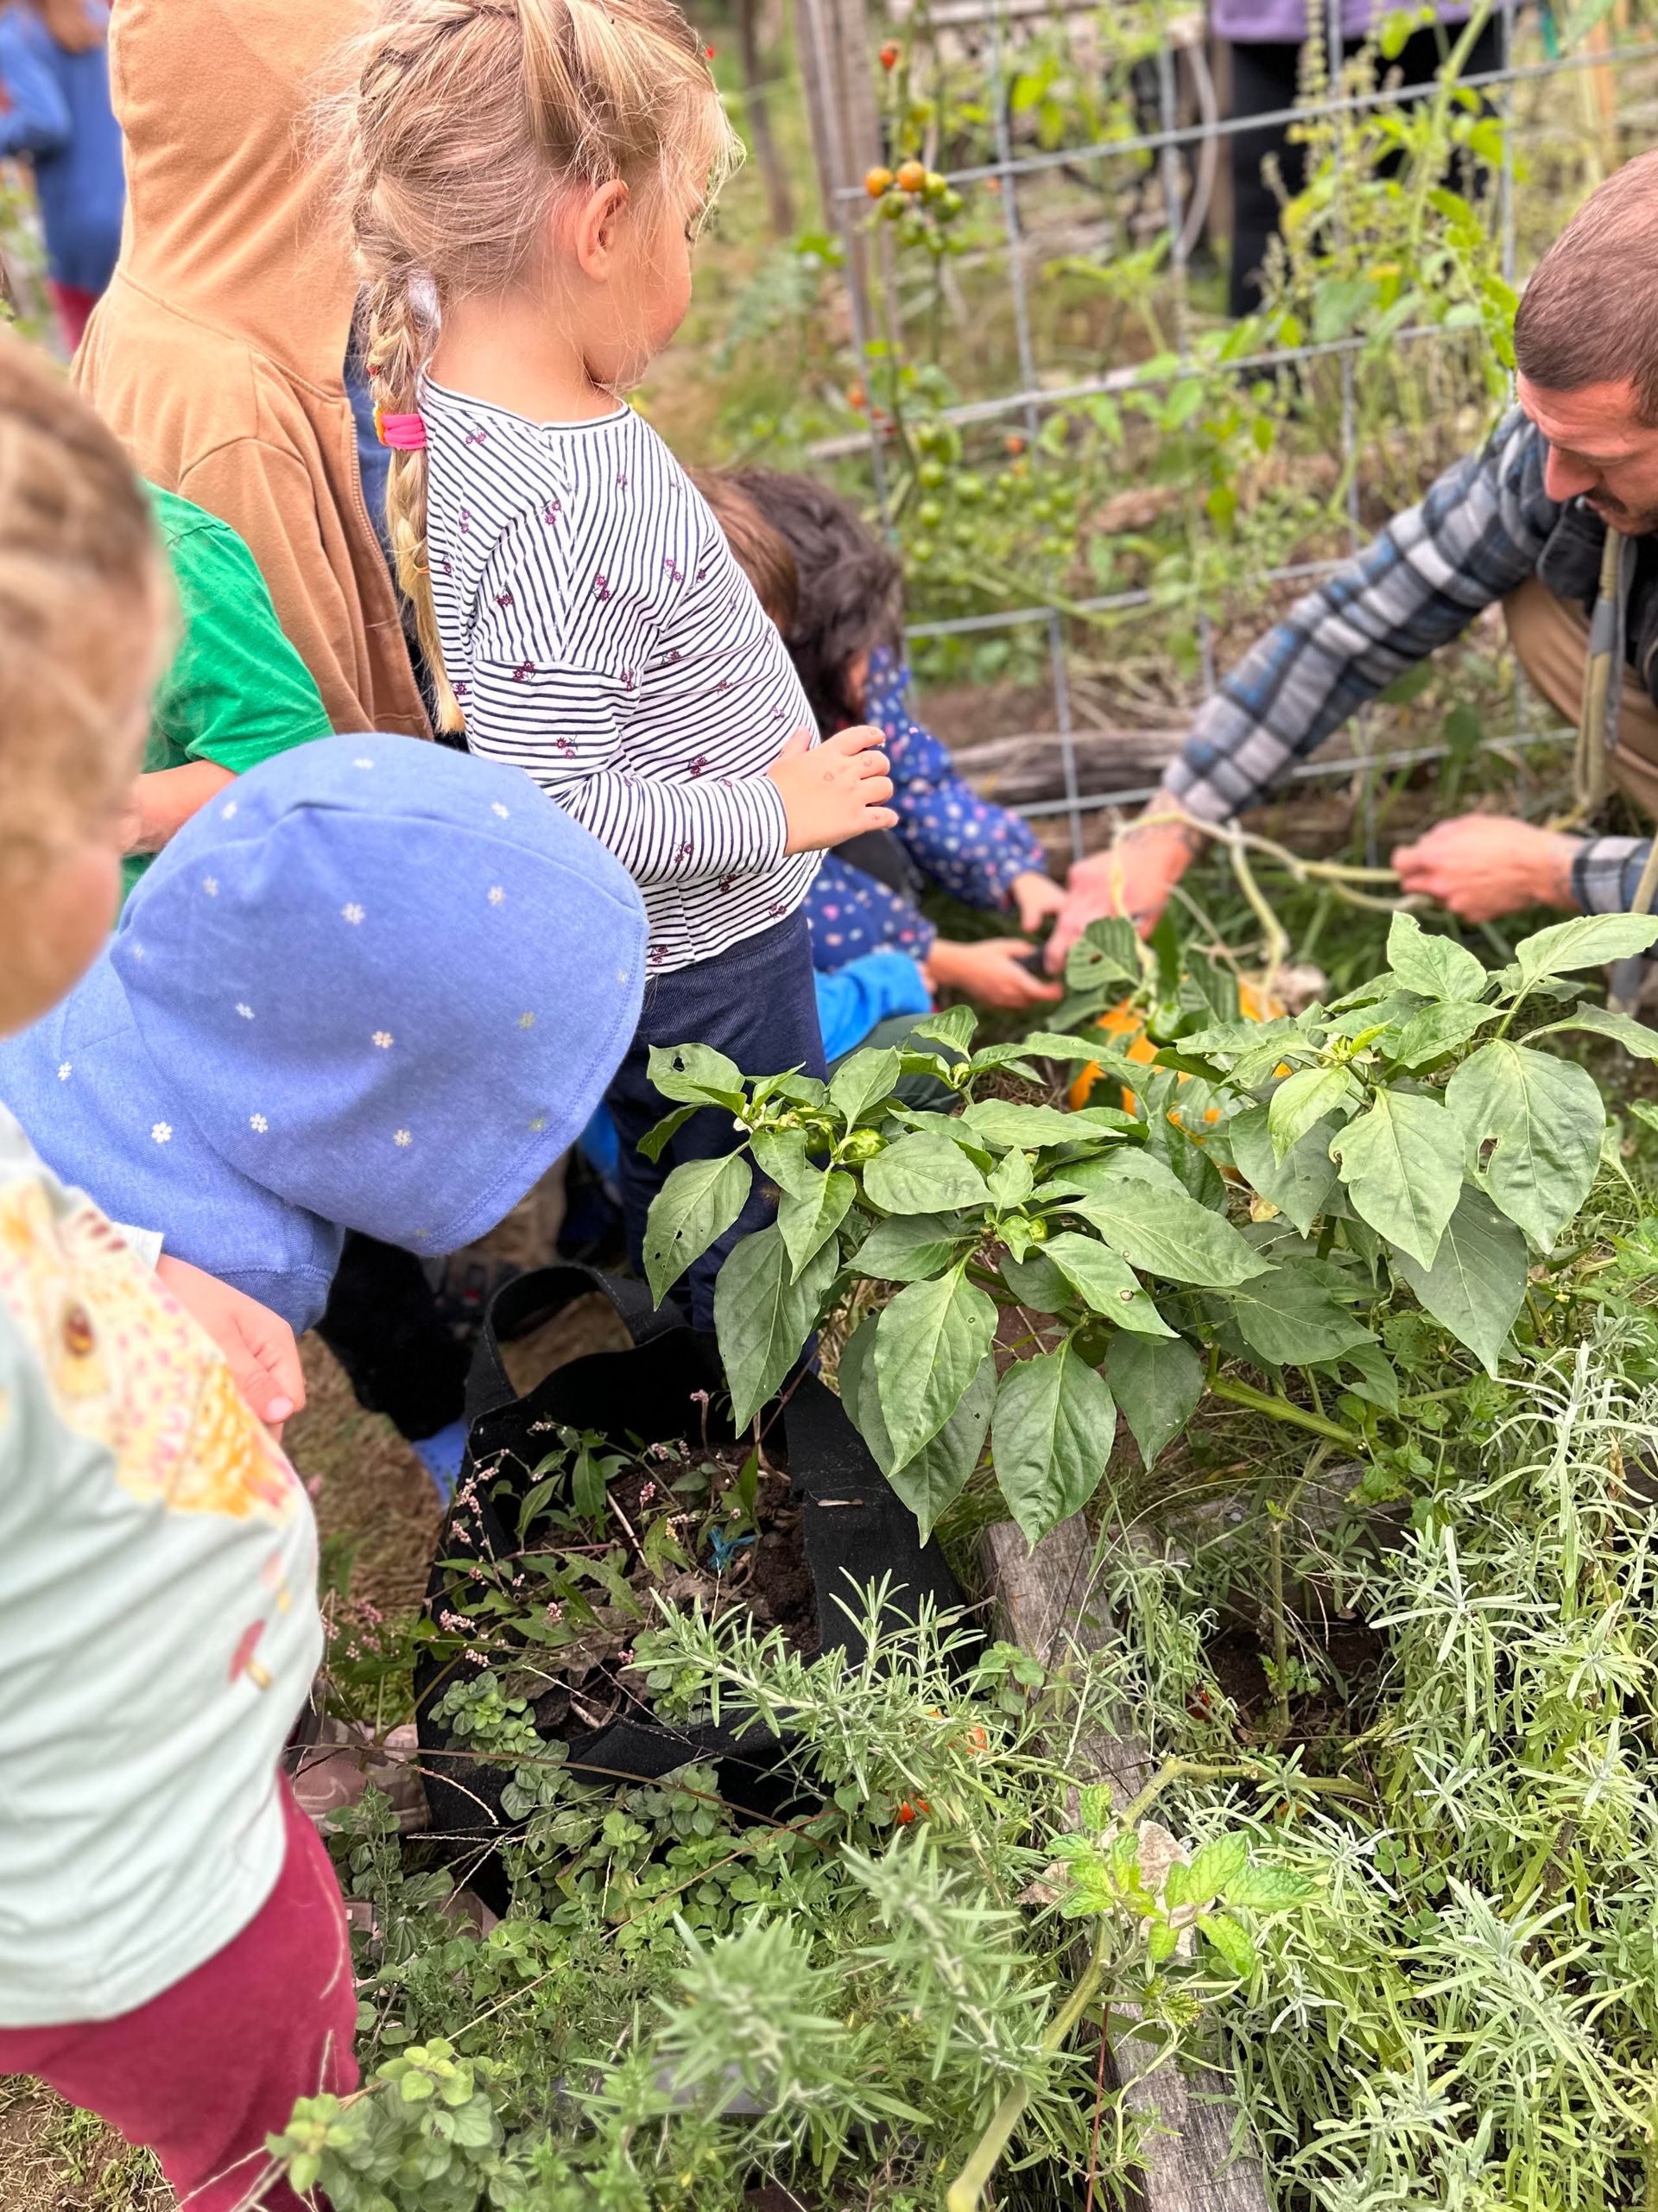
point(525, 180)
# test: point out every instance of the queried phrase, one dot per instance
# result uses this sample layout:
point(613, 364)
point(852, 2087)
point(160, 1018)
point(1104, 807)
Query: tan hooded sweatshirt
point(217, 353)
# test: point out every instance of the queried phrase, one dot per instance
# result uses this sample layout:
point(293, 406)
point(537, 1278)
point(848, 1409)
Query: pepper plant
point(1240, 1223)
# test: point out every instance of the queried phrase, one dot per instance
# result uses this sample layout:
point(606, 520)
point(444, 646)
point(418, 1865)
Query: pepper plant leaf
point(927, 1482)
point(1533, 1125)
point(1438, 1029)
point(1006, 1123)
point(909, 1247)
point(862, 1080)
point(1050, 1437)
point(1377, 1379)
point(1478, 1282)
point(1048, 1044)
point(1434, 966)
point(940, 1470)
point(1302, 1099)
point(1156, 1226)
point(809, 1220)
point(1300, 1183)
point(780, 1154)
point(1012, 1179)
point(1035, 1282)
point(1001, 1055)
point(1108, 951)
point(1587, 941)
point(954, 1027)
point(1157, 1382)
point(928, 1345)
point(1105, 1282)
point(924, 1173)
point(1289, 1319)
point(1600, 1021)
point(698, 1203)
point(1402, 1162)
point(1272, 1055)
point(655, 1142)
point(763, 1314)
point(695, 1074)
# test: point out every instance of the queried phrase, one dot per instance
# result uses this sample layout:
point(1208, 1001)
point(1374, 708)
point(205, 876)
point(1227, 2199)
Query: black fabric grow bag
point(853, 1531)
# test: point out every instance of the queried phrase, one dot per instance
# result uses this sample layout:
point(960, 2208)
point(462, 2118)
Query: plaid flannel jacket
point(1475, 536)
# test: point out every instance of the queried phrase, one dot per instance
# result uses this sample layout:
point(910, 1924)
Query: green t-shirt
point(237, 691)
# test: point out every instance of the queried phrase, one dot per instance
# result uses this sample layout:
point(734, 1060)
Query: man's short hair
point(851, 587)
point(762, 553)
point(1589, 313)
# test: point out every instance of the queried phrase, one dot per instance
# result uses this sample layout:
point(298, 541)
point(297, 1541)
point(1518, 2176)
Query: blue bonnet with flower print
point(374, 985)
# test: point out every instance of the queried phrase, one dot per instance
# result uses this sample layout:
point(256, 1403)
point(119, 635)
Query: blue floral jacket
point(970, 845)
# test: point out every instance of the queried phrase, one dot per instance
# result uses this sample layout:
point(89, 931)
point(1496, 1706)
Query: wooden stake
point(1047, 1604)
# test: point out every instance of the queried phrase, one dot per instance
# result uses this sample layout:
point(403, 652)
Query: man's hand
point(1134, 875)
point(1482, 865)
point(990, 971)
point(1035, 896)
point(257, 1344)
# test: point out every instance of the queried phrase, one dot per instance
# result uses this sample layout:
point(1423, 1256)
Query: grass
point(53, 2158)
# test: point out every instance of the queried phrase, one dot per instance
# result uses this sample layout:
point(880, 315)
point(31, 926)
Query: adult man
point(1556, 518)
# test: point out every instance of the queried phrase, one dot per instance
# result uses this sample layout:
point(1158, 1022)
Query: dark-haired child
point(845, 638)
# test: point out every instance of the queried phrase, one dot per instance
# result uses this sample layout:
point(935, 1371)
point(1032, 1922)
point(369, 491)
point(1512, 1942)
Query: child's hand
point(1035, 896)
point(992, 971)
point(835, 790)
point(258, 1345)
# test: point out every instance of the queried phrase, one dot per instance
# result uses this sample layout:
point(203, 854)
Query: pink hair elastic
point(404, 433)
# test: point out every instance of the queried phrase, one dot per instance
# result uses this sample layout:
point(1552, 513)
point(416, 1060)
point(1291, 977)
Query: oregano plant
point(1237, 1220)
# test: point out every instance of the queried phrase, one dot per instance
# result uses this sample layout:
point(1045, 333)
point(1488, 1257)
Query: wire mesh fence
point(1374, 356)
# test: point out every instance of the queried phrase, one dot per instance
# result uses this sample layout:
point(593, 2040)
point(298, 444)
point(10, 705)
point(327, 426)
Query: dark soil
point(1349, 1655)
point(719, 1558)
point(766, 1576)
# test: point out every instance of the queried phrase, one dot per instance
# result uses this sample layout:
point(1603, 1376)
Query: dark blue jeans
point(756, 1005)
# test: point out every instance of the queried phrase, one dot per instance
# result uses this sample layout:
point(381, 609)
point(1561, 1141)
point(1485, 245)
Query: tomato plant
point(1036, 1271)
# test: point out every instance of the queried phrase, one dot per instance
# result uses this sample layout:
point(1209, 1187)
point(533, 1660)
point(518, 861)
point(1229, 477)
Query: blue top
point(376, 985)
point(970, 845)
point(859, 997)
point(373, 460)
point(58, 118)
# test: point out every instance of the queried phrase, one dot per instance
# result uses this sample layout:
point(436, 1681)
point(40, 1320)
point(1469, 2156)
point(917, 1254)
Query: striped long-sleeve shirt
point(1476, 536)
point(599, 635)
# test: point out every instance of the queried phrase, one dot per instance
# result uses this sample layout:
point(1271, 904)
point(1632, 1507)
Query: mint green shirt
point(237, 691)
point(158, 1620)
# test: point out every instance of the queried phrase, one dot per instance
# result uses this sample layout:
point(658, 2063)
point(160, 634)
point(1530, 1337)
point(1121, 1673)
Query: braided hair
point(466, 122)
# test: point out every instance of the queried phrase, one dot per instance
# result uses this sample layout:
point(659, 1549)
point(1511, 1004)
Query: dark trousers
point(1264, 79)
point(756, 1005)
point(384, 1326)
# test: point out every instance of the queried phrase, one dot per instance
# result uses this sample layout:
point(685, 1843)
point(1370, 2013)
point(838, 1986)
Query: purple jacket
point(1253, 21)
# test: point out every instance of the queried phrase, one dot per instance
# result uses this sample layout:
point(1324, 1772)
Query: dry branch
point(1031, 766)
